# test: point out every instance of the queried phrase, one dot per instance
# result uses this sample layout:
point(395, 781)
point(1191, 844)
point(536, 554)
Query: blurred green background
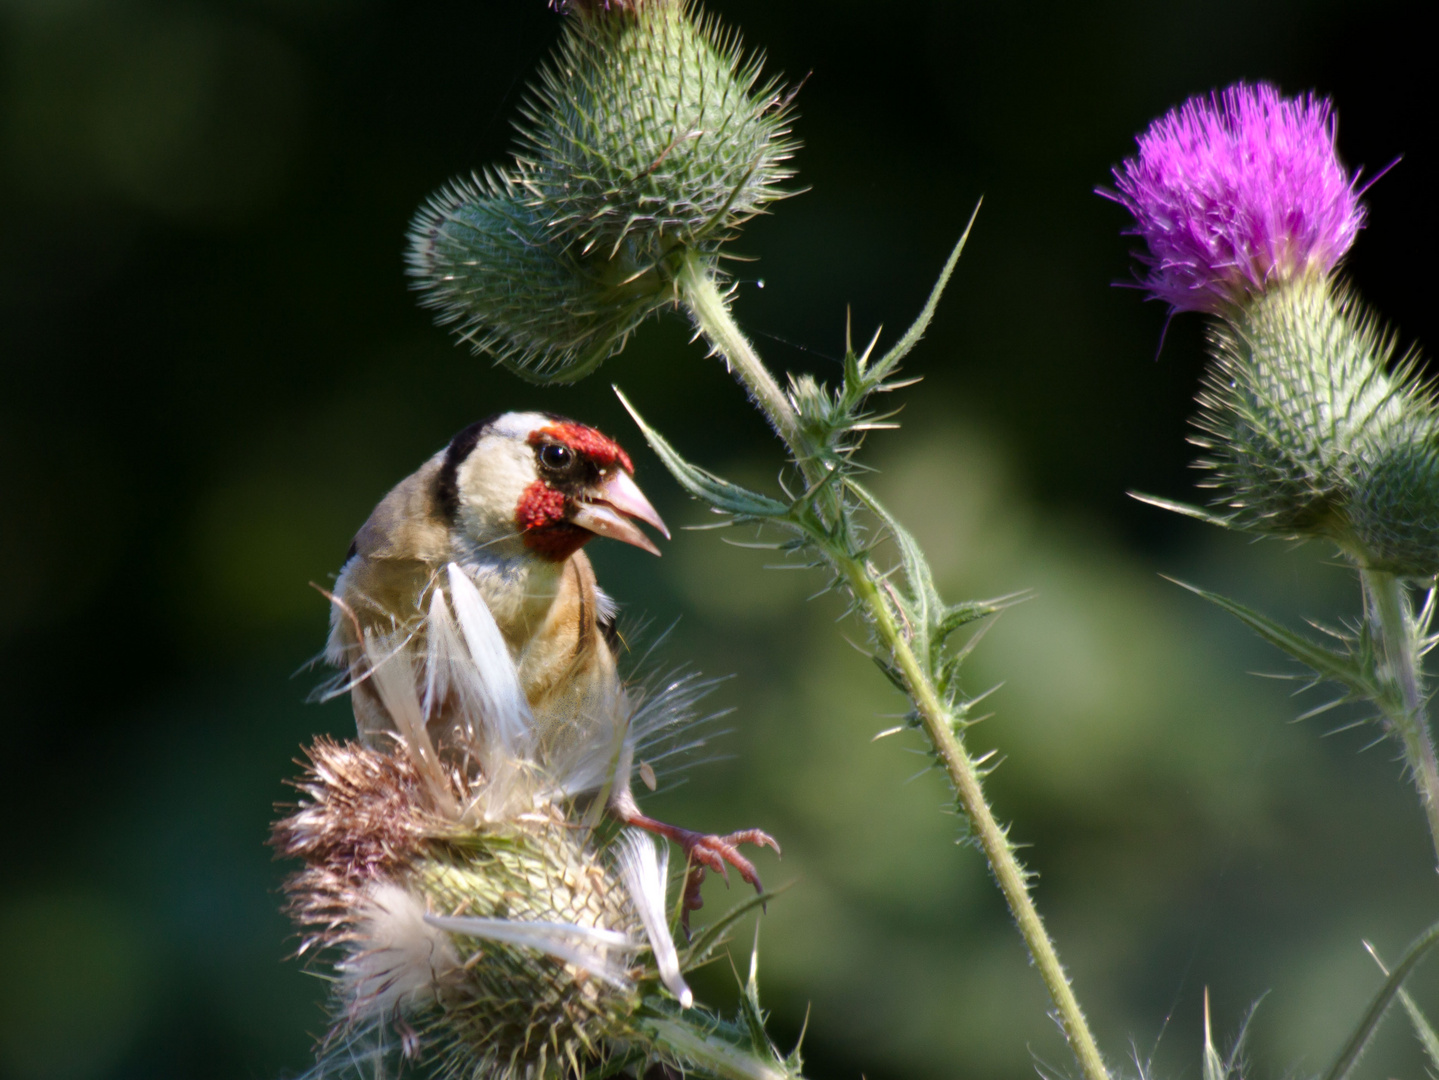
point(212, 369)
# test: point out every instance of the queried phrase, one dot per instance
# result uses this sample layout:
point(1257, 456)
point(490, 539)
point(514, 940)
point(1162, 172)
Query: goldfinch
point(466, 602)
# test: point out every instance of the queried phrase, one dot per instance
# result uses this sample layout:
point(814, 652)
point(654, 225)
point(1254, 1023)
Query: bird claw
point(714, 852)
point(710, 852)
point(707, 851)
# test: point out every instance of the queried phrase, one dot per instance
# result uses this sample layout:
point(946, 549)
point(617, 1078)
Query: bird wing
point(580, 706)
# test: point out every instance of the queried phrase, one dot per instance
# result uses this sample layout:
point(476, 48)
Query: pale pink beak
point(608, 508)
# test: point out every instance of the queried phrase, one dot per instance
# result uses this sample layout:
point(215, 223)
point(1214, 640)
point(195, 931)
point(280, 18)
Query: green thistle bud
point(648, 139)
point(1297, 392)
point(1396, 505)
point(649, 122)
point(489, 264)
point(538, 995)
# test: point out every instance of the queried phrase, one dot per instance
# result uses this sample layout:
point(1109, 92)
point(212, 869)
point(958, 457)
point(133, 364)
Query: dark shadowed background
point(212, 369)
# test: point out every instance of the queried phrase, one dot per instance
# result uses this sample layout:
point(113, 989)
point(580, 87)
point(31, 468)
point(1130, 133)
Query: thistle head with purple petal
point(1235, 192)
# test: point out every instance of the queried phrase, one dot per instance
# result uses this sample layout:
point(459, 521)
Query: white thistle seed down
point(398, 960)
point(466, 671)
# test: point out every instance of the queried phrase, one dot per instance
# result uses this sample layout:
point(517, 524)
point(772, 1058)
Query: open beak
point(606, 510)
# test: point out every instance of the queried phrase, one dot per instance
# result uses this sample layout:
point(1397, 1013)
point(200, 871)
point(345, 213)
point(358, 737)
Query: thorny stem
point(1393, 626)
point(712, 315)
point(939, 725)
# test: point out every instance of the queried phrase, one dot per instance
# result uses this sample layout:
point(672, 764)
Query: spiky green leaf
point(1428, 1038)
point(892, 674)
point(1196, 512)
point(754, 1017)
point(1345, 668)
point(957, 616)
point(911, 337)
point(923, 607)
point(701, 483)
point(1357, 1043)
point(712, 936)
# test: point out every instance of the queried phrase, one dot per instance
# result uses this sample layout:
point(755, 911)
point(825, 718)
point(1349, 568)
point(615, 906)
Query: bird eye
point(558, 458)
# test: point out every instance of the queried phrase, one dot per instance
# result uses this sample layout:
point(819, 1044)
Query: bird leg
point(705, 851)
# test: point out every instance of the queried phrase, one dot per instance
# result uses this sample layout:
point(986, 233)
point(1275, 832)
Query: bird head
point(549, 482)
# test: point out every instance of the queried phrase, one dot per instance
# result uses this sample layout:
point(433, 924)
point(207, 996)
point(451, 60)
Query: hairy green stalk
point(707, 306)
point(711, 314)
point(1393, 625)
point(941, 727)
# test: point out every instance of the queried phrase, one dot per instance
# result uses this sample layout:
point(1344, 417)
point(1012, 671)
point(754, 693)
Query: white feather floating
point(645, 872)
point(605, 607)
point(441, 648)
point(584, 947)
point(450, 683)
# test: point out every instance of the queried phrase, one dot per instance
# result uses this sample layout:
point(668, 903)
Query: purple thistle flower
point(1236, 191)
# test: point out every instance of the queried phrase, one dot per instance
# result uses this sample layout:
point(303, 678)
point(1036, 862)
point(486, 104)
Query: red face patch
point(585, 441)
point(540, 516)
point(540, 506)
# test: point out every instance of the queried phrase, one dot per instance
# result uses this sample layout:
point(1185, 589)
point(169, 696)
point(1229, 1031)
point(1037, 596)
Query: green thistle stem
point(941, 728)
point(711, 314)
point(1393, 624)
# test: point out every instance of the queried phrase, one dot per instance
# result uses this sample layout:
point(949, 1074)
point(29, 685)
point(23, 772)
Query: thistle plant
point(475, 925)
point(1310, 428)
point(648, 143)
point(485, 923)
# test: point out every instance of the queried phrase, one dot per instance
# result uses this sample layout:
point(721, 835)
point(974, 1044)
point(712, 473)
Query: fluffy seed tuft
point(505, 950)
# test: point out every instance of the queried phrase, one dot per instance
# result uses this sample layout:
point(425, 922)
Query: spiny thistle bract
point(1396, 505)
point(489, 263)
point(653, 123)
point(649, 138)
point(1297, 391)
